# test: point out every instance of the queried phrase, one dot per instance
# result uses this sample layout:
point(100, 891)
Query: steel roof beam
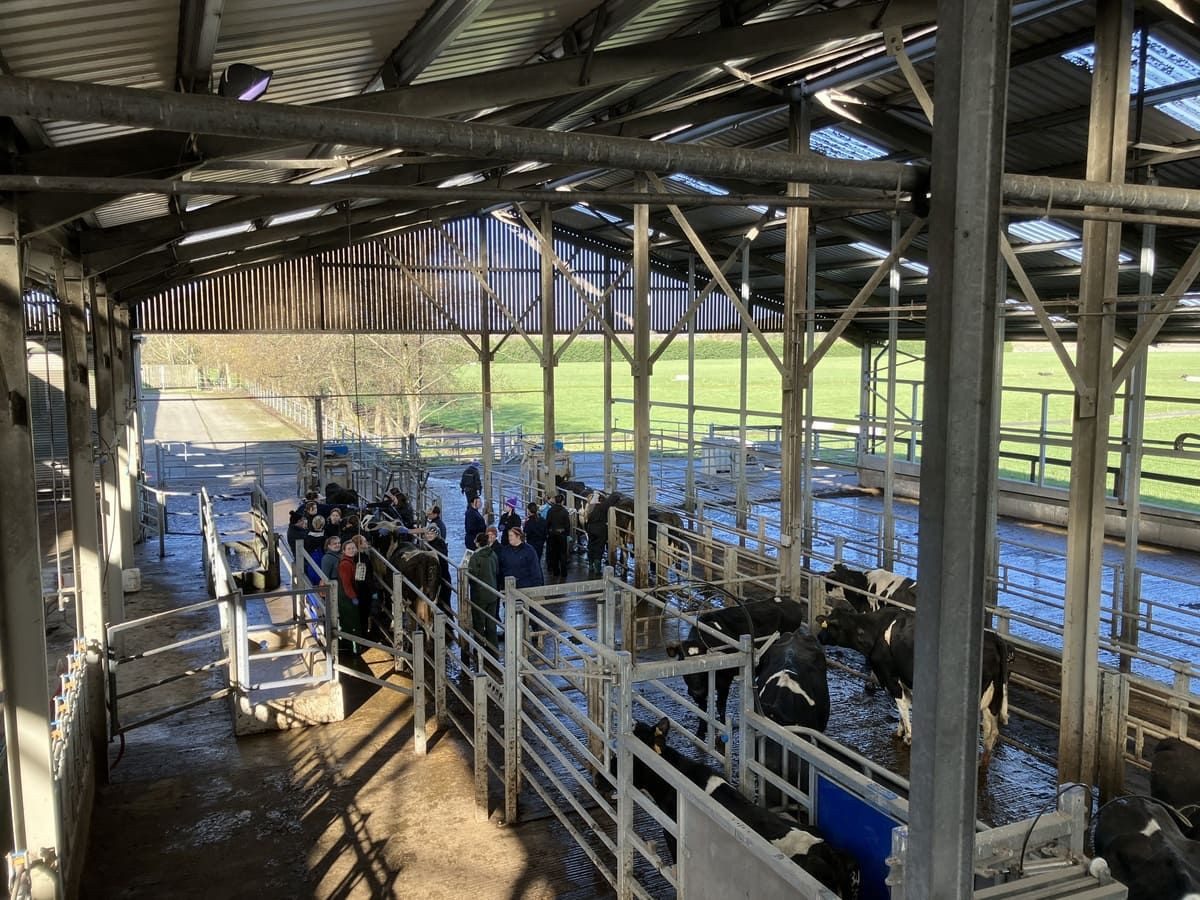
point(199, 26)
point(442, 22)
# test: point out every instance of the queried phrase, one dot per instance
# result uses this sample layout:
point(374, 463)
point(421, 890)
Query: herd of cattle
point(1152, 845)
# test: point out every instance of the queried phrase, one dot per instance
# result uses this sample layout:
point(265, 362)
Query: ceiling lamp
point(244, 82)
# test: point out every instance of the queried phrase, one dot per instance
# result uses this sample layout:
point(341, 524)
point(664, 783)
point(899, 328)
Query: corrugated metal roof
point(318, 49)
point(131, 43)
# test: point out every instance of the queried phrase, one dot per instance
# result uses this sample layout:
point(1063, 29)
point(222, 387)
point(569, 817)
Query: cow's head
point(653, 736)
point(841, 628)
point(686, 649)
point(842, 583)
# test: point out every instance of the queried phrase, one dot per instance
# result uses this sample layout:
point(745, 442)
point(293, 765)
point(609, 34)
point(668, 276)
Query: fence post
point(420, 734)
point(480, 709)
point(512, 700)
point(398, 631)
point(624, 871)
point(1179, 705)
point(161, 513)
point(1114, 708)
point(439, 668)
point(746, 696)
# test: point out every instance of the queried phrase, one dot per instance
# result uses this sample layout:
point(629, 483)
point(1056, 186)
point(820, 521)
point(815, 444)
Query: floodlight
point(244, 82)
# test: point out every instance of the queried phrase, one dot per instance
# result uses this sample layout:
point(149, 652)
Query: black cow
point(1138, 842)
point(758, 619)
point(803, 844)
point(792, 683)
point(865, 590)
point(886, 637)
point(1175, 780)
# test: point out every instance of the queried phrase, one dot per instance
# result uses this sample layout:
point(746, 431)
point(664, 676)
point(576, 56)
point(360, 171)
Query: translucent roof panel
point(697, 184)
point(1041, 231)
point(832, 141)
point(1165, 66)
point(880, 253)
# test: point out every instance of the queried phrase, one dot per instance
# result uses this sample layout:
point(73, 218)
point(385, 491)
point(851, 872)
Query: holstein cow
point(886, 637)
point(1175, 780)
point(866, 590)
point(792, 682)
point(836, 869)
point(1138, 842)
point(759, 620)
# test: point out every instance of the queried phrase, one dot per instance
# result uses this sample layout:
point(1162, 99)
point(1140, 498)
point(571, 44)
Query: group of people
point(333, 538)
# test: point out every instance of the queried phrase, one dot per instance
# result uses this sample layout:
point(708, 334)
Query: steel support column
point(610, 477)
point(107, 438)
point(795, 387)
point(22, 616)
point(546, 258)
point(1107, 138)
point(742, 500)
point(889, 438)
point(85, 513)
point(1132, 435)
point(641, 393)
point(486, 355)
point(689, 489)
point(126, 424)
point(959, 452)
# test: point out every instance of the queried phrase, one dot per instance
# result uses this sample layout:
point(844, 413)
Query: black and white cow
point(886, 637)
point(866, 590)
point(1175, 780)
point(792, 682)
point(1138, 842)
point(759, 619)
point(803, 844)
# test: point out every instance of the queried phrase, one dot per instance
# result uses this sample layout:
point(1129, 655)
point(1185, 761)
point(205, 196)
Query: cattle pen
point(897, 288)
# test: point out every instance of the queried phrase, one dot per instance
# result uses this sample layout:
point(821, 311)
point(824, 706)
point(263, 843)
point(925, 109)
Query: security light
point(244, 82)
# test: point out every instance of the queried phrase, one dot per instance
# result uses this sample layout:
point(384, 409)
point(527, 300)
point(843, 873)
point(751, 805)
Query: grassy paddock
point(579, 398)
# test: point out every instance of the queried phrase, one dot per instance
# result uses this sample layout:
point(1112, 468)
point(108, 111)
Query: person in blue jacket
point(520, 561)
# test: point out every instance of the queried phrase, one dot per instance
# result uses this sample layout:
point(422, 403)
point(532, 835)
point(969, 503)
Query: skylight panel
point(833, 142)
point(596, 213)
point(297, 216)
point(880, 253)
point(1040, 231)
point(698, 184)
point(1165, 66)
point(212, 234)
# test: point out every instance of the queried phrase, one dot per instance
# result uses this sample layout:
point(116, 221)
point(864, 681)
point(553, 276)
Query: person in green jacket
point(484, 569)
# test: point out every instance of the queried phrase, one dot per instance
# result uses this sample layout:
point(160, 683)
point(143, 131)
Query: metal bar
point(1149, 328)
point(641, 393)
point(1035, 303)
point(420, 728)
point(958, 456)
point(159, 716)
point(512, 699)
point(547, 261)
point(1077, 751)
point(889, 436)
point(106, 438)
point(480, 717)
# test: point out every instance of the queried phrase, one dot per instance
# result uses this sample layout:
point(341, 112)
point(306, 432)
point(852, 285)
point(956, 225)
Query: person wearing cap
point(510, 519)
point(470, 483)
point(519, 560)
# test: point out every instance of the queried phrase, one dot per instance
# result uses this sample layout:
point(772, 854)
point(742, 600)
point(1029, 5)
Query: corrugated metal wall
point(361, 289)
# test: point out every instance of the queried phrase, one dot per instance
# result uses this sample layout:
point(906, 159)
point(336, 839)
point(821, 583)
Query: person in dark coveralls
point(473, 522)
point(470, 483)
point(535, 528)
point(484, 569)
point(518, 560)
point(558, 527)
point(510, 519)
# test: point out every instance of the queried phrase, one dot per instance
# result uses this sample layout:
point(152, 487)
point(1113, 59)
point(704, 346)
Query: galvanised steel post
point(796, 393)
point(126, 423)
point(106, 428)
point(486, 355)
point(689, 489)
point(35, 823)
point(742, 500)
point(958, 456)
point(546, 259)
point(1107, 138)
point(1133, 433)
point(641, 395)
point(610, 477)
point(85, 515)
point(889, 437)
point(319, 420)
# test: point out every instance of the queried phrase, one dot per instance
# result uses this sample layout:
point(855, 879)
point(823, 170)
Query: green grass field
point(579, 400)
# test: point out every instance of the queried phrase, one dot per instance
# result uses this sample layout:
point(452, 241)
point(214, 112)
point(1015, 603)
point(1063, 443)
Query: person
point(349, 614)
point(558, 527)
point(509, 519)
point(470, 483)
point(434, 518)
point(351, 526)
point(404, 511)
point(331, 557)
point(314, 544)
point(535, 528)
point(473, 523)
point(297, 529)
point(518, 560)
point(484, 569)
point(333, 522)
point(367, 587)
point(597, 536)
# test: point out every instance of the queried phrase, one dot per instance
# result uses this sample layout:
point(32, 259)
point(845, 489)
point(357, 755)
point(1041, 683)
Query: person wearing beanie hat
point(510, 519)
